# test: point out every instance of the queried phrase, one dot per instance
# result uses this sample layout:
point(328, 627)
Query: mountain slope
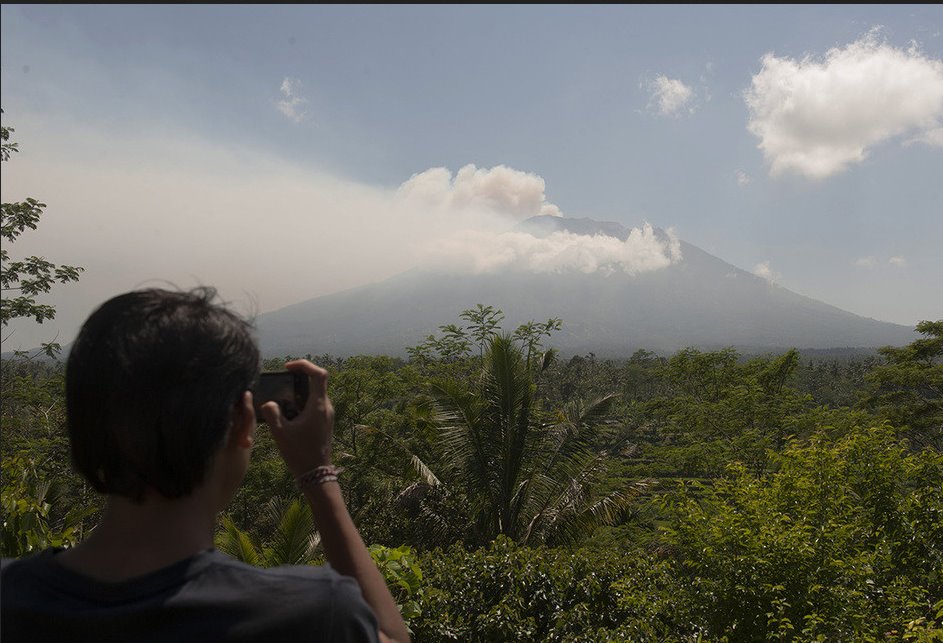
point(699, 301)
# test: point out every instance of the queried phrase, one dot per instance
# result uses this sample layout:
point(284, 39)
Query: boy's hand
point(305, 441)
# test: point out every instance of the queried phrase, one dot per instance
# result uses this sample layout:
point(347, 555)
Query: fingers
point(272, 415)
point(305, 440)
point(316, 375)
point(318, 401)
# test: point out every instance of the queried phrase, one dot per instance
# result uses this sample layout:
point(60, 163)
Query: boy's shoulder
point(208, 568)
point(182, 599)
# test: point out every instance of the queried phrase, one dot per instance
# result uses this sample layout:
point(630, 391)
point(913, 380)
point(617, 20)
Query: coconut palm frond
point(466, 448)
point(610, 510)
point(582, 422)
point(233, 541)
point(424, 472)
point(400, 445)
point(562, 494)
point(597, 410)
point(293, 542)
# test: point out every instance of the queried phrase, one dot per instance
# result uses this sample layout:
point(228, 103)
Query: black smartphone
point(287, 388)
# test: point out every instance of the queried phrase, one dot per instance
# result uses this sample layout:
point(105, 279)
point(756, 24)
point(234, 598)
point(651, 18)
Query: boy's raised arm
point(305, 445)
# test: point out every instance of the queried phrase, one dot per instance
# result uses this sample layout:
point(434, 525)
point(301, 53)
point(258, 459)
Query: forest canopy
point(513, 495)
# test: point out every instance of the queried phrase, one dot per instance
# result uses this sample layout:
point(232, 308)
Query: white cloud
point(292, 105)
point(866, 262)
point(764, 271)
point(500, 190)
point(670, 96)
point(899, 262)
point(817, 117)
point(483, 252)
point(743, 179)
point(932, 137)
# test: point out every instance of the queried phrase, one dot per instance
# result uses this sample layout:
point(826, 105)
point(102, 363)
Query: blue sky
point(282, 152)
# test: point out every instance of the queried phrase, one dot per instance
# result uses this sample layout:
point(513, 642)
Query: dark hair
point(150, 383)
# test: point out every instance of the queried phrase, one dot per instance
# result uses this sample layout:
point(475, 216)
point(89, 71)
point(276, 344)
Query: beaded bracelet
point(319, 475)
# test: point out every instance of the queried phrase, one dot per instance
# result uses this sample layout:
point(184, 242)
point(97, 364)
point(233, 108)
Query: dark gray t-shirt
point(208, 597)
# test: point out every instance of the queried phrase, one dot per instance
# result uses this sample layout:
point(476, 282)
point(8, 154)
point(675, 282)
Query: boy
point(161, 420)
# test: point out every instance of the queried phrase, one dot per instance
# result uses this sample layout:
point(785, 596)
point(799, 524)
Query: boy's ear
point(242, 433)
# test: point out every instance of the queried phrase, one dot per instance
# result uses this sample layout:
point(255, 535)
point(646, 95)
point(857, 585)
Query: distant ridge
point(699, 301)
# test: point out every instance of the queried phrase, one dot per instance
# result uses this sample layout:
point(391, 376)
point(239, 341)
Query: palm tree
point(294, 542)
point(525, 475)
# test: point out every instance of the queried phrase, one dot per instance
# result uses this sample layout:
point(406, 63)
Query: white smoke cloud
point(899, 262)
point(866, 262)
point(743, 179)
point(292, 105)
point(500, 190)
point(764, 271)
point(477, 205)
point(265, 232)
point(483, 252)
point(817, 117)
point(669, 95)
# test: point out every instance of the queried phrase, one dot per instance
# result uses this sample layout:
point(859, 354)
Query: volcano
point(697, 301)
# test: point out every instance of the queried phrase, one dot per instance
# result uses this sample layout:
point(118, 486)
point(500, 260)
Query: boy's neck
point(134, 539)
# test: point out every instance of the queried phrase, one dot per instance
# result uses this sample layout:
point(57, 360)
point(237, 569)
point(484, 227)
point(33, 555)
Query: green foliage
point(524, 474)
point(401, 571)
point(707, 409)
point(27, 502)
point(776, 515)
point(923, 629)
point(834, 382)
point(843, 542)
point(294, 541)
point(715, 396)
point(581, 377)
point(484, 322)
point(32, 405)
point(506, 592)
point(363, 387)
point(32, 276)
point(453, 345)
point(642, 371)
point(267, 478)
point(237, 543)
point(530, 335)
point(44, 502)
point(908, 388)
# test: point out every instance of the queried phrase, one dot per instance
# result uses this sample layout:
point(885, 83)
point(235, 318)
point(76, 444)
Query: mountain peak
point(544, 225)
